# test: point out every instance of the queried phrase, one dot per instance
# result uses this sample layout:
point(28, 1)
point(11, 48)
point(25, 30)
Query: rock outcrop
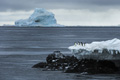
point(70, 64)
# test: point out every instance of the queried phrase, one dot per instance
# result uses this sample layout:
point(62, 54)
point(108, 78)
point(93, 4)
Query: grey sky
point(58, 4)
point(67, 12)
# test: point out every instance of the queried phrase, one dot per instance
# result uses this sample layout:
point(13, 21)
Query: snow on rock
point(108, 49)
point(109, 44)
point(40, 17)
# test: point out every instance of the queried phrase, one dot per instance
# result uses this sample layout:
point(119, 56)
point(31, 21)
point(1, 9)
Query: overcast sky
point(67, 12)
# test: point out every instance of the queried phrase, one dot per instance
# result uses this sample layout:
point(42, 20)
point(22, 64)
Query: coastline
point(19, 67)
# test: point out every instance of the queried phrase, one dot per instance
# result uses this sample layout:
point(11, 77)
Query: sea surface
point(22, 47)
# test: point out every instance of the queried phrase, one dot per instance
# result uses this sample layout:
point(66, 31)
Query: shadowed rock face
point(40, 65)
point(57, 61)
point(70, 64)
point(93, 67)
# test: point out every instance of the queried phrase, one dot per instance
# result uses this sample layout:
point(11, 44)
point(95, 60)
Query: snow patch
point(113, 44)
point(105, 49)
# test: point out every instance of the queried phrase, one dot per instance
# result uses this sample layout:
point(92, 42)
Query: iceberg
point(109, 49)
point(40, 17)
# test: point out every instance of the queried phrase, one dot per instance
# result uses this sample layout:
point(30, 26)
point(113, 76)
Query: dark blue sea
point(22, 47)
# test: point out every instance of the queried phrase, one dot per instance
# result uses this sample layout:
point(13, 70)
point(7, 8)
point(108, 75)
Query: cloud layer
point(58, 4)
point(67, 12)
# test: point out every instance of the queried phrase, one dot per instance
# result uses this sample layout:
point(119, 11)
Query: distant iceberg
point(40, 17)
point(109, 49)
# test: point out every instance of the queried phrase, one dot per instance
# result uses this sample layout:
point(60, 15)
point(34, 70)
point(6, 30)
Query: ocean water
point(24, 40)
point(22, 47)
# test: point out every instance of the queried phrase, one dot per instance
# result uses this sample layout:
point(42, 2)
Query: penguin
point(84, 44)
point(81, 43)
point(78, 43)
point(75, 44)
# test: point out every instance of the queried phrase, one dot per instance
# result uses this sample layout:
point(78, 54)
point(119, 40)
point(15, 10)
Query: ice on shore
point(40, 17)
point(106, 49)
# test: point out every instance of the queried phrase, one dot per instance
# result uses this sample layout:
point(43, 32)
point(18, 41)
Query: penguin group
point(79, 43)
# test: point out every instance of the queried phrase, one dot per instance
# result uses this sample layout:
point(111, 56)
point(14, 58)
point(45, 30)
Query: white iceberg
point(102, 49)
point(40, 17)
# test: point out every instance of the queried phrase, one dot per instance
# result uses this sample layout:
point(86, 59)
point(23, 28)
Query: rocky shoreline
point(70, 64)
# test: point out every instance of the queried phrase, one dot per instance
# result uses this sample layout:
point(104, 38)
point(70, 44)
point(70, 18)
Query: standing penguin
point(78, 43)
point(82, 43)
point(75, 44)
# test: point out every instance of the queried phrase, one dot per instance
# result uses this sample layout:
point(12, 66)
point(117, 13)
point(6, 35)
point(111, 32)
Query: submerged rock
point(40, 65)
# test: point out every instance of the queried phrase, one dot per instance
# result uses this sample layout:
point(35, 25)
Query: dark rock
point(70, 64)
point(93, 67)
point(69, 69)
point(105, 51)
point(57, 61)
point(60, 63)
point(106, 66)
point(54, 56)
point(40, 65)
point(96, 51)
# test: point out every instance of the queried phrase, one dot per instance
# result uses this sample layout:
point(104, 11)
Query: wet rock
point(54, 57)
point(40, 65)
point(59, 61)
point(70, 64)
point(93, 67)
point(106, 66)
point(96, 51)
